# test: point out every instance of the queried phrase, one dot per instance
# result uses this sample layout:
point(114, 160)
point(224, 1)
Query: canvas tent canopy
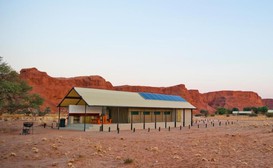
point(123, 107)
point(100, 97)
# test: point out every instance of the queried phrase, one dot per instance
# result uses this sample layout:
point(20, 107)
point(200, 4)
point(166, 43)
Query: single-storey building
point(99, 106)
point(242, 112)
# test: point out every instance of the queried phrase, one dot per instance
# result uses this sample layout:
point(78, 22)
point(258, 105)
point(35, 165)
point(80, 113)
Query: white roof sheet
point(100, 97)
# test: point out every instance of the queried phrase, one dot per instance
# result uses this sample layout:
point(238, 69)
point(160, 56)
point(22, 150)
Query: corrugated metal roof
point(100, 97)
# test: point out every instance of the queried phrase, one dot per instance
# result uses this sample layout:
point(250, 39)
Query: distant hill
point(54, 89)
point(268, 103)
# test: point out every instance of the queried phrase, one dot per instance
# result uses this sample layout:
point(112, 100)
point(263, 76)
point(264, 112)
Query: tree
point(247, 109)
point(254, 109)
point(263, 109)
point(221, 111)
point(204, 112)
point(14, 92)
point(235, 109)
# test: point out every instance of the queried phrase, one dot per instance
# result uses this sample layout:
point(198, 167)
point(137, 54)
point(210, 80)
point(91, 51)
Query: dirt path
point(244, 144)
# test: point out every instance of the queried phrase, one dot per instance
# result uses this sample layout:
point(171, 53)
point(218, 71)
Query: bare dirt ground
point(247, 142)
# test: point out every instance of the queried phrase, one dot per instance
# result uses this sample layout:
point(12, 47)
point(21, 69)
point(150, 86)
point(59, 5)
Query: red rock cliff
point(268, 103)
point(231, 99)
point(54, 89)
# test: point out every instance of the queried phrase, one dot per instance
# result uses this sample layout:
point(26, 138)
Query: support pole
point(131, 121)
point(102, 118)
point(143, 120)
point(165, 119)
point(191, 118)
point(183, 117)
point(59, 117)
point(68, 119)
point(174, 118)
point(118, 120)
point(84, 127)
point(155, 120)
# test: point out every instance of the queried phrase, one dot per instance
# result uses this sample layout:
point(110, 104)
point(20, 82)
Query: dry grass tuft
point(128, 161)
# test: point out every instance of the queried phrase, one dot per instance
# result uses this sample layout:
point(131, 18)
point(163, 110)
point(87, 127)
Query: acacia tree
point(235, 109)
point(263, 109)
point(204, 112)
point(221, 111)
point(14, 92)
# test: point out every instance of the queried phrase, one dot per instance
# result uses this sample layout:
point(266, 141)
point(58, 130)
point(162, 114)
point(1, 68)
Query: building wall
point(179, 114)
point(186, 117)
point(79, 109)
point(151, 117)
point(125, 115)
point(112, 112)
point(75, 118)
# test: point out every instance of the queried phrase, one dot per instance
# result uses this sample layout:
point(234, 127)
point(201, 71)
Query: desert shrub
point(254, 109)
point(212, 115)
point(221, 111)
point(235, 109)
point(253, 115)
point(263, 109)
point(204, 112)
point(269, 114)
point(227, 115)
point(128, 161)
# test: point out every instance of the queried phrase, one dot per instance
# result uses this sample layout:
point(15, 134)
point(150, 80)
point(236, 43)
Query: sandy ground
point(247, 142)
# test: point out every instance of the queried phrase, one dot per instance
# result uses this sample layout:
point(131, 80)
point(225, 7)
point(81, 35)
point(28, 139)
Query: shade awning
point(101, 97)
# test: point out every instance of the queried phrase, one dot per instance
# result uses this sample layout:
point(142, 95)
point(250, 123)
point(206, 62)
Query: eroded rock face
point(54, 89)
point(268, 103)
point(231, 99)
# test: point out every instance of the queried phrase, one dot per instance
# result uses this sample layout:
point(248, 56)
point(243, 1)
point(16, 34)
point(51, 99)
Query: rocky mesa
point(54, 89)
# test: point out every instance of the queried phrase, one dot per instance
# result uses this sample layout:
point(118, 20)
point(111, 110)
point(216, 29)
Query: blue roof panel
point(155, 96)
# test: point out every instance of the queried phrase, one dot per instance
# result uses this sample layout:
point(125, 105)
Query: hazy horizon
point(206, 45)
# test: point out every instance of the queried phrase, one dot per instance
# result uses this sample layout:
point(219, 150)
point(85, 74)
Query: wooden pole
point(165, 119)
point(131, 121)
point(155, 120)
point(191, 118)
point(84, 127)
point(118, 120)
point(175, 118)
point(59, 117)
point(183, 117)
point(143, 120)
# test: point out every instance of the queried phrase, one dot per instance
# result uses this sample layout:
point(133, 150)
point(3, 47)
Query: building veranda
point(98, 106)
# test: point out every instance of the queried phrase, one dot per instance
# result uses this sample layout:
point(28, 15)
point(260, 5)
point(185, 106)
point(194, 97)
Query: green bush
point(221, 111)
point(235, 109)
point(204, 112)
point(128, 161)
point(269, 114)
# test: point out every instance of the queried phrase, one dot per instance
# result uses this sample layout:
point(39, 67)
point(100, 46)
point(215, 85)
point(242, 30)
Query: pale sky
point(208, 45)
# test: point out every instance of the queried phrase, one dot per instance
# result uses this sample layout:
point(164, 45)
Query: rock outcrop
point(231, 99)
point(268, 103)
point(54, 89)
